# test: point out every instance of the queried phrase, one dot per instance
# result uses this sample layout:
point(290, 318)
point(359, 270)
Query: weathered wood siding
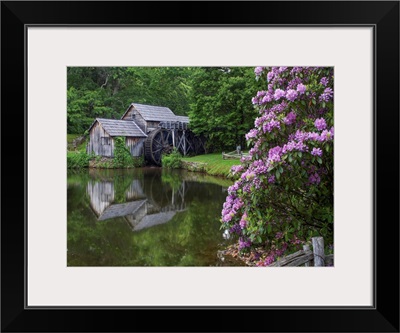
point(101, 195)
point(135, 146)
point(128, 115)
point(152, 125)
point(97, 144)
point(139, 120)
point(102, 144)
point(135, 191)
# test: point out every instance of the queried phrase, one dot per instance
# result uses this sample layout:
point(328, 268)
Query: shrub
point(283, 194)
point(172, 160)
point(122, 155)
point(78, 160)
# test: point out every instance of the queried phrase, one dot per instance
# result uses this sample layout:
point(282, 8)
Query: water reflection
point(145, 217)
point(147, 203)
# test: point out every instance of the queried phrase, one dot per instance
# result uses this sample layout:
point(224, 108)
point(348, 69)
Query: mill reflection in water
point(145, 210)
point(145, 217)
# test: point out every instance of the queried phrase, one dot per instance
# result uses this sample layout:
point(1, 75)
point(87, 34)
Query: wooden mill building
point(149, 117)
point(103, 131)
point(149, 130)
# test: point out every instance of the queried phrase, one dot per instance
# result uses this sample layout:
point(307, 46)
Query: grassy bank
point(212, 164)
point(76, 146)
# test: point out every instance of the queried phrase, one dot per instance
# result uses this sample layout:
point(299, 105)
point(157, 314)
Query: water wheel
point(157, 143)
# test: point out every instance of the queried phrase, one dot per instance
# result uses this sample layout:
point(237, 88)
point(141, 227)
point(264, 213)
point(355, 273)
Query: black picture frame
point(383, 16)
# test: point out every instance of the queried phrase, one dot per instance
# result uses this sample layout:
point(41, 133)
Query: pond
point(145, 217)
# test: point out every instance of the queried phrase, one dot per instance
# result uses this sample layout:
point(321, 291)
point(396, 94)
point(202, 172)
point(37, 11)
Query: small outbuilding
point(103, 131)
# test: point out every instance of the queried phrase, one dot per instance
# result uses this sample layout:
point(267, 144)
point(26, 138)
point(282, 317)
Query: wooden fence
point(306, 257)
point(233, 155)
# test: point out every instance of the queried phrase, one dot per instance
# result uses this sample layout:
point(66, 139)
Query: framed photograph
point(66, 267)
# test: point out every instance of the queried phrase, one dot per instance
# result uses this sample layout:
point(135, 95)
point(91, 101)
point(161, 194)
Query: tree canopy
point(108, 91)
point(221, 106)
point(217, 99)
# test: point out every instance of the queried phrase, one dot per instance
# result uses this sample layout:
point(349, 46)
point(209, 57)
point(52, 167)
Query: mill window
point(105, 141)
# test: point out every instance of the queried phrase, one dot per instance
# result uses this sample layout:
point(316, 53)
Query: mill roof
point(154, 219)
point(120, 127)
point(118, 210)
point(156, 113)
point(183, 119)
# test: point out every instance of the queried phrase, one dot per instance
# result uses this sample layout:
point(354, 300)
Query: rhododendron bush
point(283, 194)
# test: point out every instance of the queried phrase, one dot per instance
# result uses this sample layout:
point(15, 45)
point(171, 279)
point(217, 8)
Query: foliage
point(78, 160)
point(75, 144)
point(174, 180)
point(101, 162)
point(172, 160)
point(283, 195)
point(221, 108)
point(122, 155)
point(106, 92)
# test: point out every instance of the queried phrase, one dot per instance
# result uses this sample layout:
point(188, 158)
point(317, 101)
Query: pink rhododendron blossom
point(283, 181)
point(258, 70)
point(301, 88)
point(270, 76)
point(314, 178)
point(243, 221)
point(252, 134)
point(290, 118)
point(316, 152)
point(279, 93)
point(291, 95)
point(326, 95)
point(324, 81)
point(320, 124)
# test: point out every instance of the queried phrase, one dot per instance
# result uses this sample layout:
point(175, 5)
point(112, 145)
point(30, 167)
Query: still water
point(145, 217)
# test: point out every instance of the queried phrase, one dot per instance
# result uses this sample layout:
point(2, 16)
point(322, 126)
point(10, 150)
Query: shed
point(103, 131)
point(148, 117)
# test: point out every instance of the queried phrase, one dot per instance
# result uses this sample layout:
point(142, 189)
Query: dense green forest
point(217, 99)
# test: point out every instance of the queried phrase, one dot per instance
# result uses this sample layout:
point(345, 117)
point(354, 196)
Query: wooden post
point(318, 249)
point(173, 138)
point(184, 144)
point(306, 248)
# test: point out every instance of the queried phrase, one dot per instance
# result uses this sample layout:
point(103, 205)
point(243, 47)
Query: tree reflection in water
point(144, 217)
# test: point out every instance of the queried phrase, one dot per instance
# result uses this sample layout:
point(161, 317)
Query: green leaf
point(319, 160)
point(277, 174)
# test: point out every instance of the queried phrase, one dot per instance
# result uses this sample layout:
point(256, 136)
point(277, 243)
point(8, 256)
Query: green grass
point(215, 165)
point(71, 138)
